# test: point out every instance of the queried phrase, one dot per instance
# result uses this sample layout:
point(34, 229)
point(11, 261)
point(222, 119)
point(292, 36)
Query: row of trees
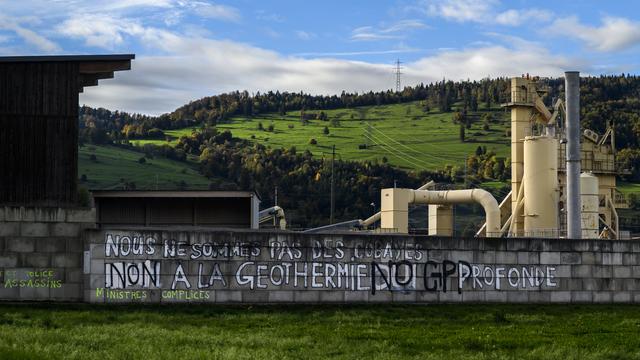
point(219, 108)
point(102, 126)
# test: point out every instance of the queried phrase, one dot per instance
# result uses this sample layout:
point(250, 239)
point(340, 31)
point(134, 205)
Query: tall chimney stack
point(572, 93)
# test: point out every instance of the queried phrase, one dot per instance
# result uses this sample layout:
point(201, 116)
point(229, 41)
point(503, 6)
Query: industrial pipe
point(376, 217)
point(271, 213)
point(480, 196)
point(345, 225)
point(572, 93)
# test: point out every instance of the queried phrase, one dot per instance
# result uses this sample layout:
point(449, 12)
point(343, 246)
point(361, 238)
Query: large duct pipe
point(274, 212)
point(376, 217)
point(572, 93)
point(480, 196)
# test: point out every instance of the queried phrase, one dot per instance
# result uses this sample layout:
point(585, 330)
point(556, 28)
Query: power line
point(396, 153)
point(400, 156)
point(408, 148)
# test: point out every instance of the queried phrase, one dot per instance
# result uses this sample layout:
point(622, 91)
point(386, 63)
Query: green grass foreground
point(318, 332)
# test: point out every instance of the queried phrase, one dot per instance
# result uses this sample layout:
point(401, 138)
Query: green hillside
point(404, 134)
point(113, 167)
point(172, 137)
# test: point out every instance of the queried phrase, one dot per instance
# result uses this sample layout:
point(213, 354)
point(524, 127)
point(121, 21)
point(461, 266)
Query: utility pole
point(275, 203)
point(333, 201)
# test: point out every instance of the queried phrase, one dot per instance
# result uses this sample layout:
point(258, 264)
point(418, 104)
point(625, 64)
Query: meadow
point(320, 331)
point(403, 134)
point(114, 166)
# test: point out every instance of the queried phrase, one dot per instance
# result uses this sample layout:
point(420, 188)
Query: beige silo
point(590, 204)
point(540, 180)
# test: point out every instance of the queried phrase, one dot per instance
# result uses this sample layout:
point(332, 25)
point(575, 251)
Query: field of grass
point(402, 133)
point(172, 137)
point(114, 166)
point(320, 332)
point(628, 188)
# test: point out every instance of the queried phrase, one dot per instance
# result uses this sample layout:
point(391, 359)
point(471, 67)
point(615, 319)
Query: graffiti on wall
point(30, 279)
point(184, 270)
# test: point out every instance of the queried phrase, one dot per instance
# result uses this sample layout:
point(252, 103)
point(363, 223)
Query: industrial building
point(223, 209)
point(563, 181)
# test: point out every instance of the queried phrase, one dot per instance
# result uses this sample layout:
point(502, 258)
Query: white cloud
point(461, 10)
point(99, 30)
point(196, 67)
point(483, 11)
point(216, 11)
point(493, 61)
point(614, 34)
point(265, 16)
point(368, 33)
point(125, 4)
point(30, 37)
point(304, 35)
point(358, 53)
point(393, 31)
point(514, 17)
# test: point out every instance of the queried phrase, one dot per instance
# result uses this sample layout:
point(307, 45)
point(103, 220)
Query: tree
point(461, 132)
point(474, 103)
point(325, 130)
point(458, 118)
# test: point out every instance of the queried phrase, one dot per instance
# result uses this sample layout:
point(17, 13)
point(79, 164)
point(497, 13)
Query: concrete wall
point(41, 253)
point(265, 267)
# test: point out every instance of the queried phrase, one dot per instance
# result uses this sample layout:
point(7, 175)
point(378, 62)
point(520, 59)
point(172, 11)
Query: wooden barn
point(39, 124)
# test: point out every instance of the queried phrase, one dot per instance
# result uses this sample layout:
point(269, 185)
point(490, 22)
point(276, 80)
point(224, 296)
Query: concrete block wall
point(161, 266)
point(41, 253)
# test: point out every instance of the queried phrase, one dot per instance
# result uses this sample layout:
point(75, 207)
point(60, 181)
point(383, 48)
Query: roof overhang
point(171, 194)
point(91, 68)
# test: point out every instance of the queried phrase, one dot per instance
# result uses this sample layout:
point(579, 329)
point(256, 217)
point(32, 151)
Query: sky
point(186, 50)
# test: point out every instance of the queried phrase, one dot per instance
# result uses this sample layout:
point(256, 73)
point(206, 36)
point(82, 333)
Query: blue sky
point(190, 49)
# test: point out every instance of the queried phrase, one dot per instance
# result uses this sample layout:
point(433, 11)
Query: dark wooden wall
point(143, 211)
point(39, 133)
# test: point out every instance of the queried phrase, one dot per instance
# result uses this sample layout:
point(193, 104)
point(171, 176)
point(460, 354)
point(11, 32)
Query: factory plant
point(554, 239)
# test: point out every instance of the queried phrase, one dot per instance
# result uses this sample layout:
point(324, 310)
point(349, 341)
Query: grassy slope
point(173, 136)
point(114, 164)
point(627, 188)
point(402, 133)
point(319, 332)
